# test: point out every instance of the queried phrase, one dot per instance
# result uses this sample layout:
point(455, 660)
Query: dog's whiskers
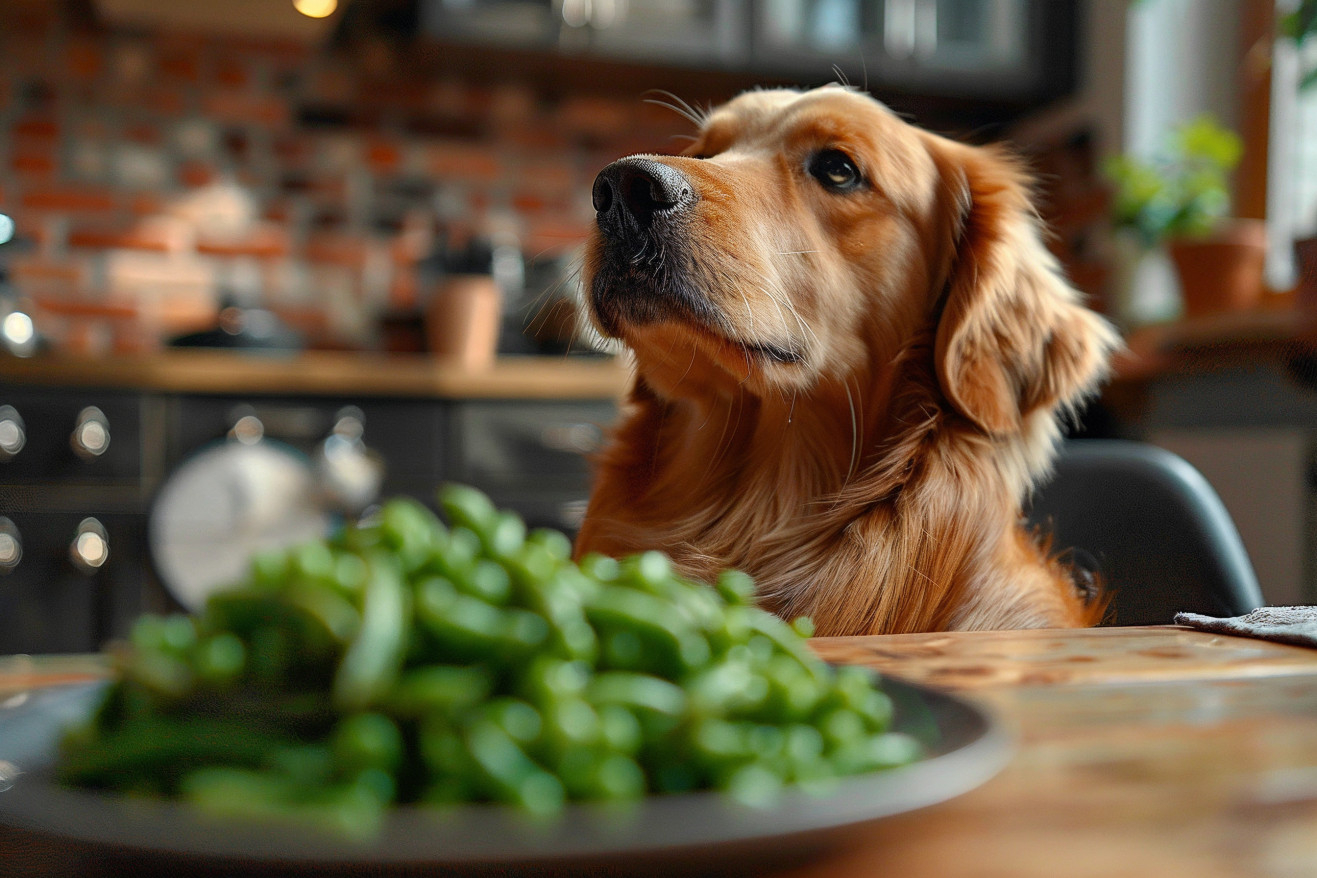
point(671, 102)
point(855, 432)
point(781, 300)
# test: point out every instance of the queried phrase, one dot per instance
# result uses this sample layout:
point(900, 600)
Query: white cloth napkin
point(1297, 625)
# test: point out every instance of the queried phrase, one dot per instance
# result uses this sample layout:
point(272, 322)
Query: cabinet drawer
point(50, 603)
point(77, 437)
point(536, 446)
point(408, 434)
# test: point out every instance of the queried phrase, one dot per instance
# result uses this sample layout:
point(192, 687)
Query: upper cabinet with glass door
point(708, 33)
point(970, 48)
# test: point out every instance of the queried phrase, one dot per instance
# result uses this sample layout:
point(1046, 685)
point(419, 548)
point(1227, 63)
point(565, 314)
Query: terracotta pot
point(1223, 271)
point(462, 322)
point(1305, 264)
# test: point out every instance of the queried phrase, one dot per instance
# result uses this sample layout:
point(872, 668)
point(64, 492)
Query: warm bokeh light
point(316, 8)
point(18, 329)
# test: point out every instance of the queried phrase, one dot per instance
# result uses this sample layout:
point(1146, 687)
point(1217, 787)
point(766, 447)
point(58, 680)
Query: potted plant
point(1180, 201)
point(1299, 25)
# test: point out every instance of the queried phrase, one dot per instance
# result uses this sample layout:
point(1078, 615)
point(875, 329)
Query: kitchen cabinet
point(74, 478)
point(988, 48)
point(993, 49)
point(57, 501)
point(529, 456)
point(697, 32)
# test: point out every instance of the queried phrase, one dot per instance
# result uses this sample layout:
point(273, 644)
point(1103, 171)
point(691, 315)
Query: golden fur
point(846, 394)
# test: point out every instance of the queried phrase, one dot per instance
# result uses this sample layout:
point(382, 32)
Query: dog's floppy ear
point(1013, 335)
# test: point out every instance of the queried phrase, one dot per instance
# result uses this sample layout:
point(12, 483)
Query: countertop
point(324, 373)
point(1152, 353)
point(1217, 341)
point(1157, 751)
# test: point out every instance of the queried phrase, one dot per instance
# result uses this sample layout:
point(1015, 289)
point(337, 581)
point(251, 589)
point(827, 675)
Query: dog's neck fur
point(694, 477)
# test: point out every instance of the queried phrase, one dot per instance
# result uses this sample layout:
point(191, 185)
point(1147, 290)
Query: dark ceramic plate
point(965, 747)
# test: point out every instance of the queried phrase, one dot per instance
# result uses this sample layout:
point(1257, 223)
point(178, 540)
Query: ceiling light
point(316, 8)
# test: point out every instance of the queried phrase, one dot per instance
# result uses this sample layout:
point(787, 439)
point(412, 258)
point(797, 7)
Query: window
point(1292, 156)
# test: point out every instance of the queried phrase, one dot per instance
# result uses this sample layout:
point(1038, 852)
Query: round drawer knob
point(90, 548)
point(13, 433)
point(91, 434)
point(11, 546)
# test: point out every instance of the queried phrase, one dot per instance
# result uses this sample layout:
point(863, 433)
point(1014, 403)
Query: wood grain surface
point(1158, 752)
point(325, 373)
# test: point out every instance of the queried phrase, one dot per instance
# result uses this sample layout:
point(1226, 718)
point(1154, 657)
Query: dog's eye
point(835, 170)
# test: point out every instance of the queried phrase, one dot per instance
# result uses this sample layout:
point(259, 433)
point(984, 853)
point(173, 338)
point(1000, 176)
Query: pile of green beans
point(409, 661)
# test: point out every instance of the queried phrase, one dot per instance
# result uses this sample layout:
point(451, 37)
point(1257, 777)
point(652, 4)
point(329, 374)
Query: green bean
point(509, 772)
point(505, 535)
point(554, 542)
point(367, 740)
point(440, 688)
point(162, 745)
point(520, 720)
point(471, 628)
point(651, 619)
point(487, 581)
point(410, 660)
point(313, 561)
point(410, 530)
point(591, 773)
point(354, 810)
point(568, 722)
point(456, 556)
point(468, 507)
point(372, 661)
point(335, 613)
point(638, 692)
point(736, 587)
point(731, 686)
point(619, 729)
point(220, 659)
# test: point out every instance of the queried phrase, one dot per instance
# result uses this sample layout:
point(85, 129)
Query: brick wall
point(150, 171)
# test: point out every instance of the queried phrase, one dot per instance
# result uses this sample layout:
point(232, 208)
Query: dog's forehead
point(892, 152)
point(777, 114)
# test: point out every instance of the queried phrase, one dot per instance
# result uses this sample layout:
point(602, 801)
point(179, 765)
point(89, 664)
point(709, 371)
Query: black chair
point(1151, 527)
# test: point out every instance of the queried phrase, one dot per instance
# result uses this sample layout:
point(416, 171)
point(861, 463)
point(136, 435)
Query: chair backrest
point(1158, 534)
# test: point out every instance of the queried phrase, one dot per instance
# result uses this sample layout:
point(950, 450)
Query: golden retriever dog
point(853, 352)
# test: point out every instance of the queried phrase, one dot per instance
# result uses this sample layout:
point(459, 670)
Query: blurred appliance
point(249, 493)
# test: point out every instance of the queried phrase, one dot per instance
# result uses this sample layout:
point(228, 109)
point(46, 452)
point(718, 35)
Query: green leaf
point(1308, 80)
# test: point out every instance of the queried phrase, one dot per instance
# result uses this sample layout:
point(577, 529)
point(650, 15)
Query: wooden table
point(1159, 752)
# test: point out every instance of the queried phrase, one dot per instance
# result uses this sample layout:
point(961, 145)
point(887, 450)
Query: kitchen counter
point(324, 373)
point(520, 430)
point(1216, 342)
point(1137, 751)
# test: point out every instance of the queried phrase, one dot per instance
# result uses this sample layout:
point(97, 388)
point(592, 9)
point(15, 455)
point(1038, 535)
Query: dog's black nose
point(630, 192)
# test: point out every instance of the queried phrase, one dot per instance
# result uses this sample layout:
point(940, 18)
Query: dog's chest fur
point(819, 508)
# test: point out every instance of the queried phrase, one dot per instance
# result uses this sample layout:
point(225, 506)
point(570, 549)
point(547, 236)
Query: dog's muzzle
point(633, 195)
